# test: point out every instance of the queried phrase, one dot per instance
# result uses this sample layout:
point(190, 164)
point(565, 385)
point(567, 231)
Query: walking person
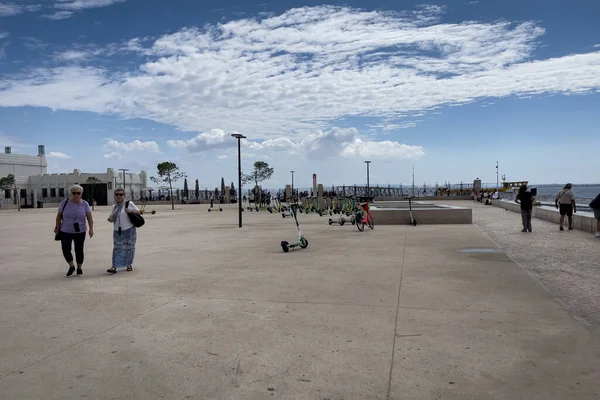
point(565, 202)
point(525, 199)
point(73, 217)
point(124, 233)
point(595, 205)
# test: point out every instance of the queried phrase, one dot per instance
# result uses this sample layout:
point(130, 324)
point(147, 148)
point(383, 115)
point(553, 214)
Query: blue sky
point(447, 87)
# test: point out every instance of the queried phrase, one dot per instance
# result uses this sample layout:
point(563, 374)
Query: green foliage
point(8, 182)
point(168, 172)
point(261, 172)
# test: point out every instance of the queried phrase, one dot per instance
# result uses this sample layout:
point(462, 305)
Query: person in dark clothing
point(525, 199)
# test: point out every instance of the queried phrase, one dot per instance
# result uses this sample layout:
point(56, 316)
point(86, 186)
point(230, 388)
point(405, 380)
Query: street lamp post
point(497, 180)
point(239, 199)
point(292, 183)
point(124, 170)
point(368, 189)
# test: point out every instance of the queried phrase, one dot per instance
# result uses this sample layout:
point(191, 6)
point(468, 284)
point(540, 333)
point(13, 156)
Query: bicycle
point(368, 218)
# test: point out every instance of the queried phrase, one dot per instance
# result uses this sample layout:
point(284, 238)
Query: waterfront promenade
point(567, 263)
point(212, 311)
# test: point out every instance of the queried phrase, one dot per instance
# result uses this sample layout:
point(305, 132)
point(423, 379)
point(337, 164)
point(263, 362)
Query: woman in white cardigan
point(124, 233)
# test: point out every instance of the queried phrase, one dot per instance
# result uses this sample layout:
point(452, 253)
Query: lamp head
point(238, 136)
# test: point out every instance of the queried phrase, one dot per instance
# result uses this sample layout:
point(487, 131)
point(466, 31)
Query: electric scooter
point(411, 220)
point(302, 242)
point(143, 208)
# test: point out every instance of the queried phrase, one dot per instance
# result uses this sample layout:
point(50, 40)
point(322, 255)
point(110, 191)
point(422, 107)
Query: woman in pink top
point(74, 215)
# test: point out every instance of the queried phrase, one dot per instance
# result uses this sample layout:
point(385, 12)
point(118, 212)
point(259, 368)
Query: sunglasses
point(76, 193)
point(119, 194)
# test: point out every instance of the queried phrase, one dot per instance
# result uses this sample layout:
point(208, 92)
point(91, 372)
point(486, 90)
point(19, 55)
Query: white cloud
point(333, 143)
point(213, 139)
point(136, 145)
point(114, 154)
point(596, 46)
point(54, 154)
point(72, 55)
point(58, 15)
point(222, 157)
point(83, 4)
point(384, 149)
point(289, 75)
point(388, 127)
point(10, 9)
point(4, 35)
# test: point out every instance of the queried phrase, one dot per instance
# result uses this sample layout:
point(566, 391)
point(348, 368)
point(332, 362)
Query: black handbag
point(136, 219)
point(57, 234)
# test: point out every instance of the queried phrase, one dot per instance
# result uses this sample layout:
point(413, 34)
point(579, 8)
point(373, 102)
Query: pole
point(239, 183)
point(497, 181)
point(413, 182)
point(239, 199)
point(368, 183)
point(124, 170)
point(292, 183)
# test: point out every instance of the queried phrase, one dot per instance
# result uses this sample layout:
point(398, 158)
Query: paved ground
point(567, 263)
point(212, 311)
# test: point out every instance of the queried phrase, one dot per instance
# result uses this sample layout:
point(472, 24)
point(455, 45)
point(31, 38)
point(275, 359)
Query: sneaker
point(561, 228)
point(70, 271)
point(597, 235)
point(79, 271)
point(531, 230)
point(523, 230)
point(570, 228)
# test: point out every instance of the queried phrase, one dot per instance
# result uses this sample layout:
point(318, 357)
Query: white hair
point(76, 187)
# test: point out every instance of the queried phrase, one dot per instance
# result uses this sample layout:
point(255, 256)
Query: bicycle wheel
point(360, 225)
point(370, 221)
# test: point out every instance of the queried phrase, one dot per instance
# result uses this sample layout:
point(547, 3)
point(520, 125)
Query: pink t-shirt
point(74, 213)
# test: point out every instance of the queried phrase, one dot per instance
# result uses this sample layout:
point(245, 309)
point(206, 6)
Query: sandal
point(130, 268)
point(112, 270)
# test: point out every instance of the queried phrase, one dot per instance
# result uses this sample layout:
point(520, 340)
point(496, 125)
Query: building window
point(44, 193)
point(7, 194)
point(109, 185)
point(24, 193)
point(53, 192)
point(61, 192)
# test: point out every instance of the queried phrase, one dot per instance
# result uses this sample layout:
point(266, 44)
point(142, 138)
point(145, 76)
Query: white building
point(34, 184)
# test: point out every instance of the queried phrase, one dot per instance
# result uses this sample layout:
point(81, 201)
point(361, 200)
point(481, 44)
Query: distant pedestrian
point(73, 217)
point(565, 202)
point(595, 205)
point(124, 233)
point(525, 199)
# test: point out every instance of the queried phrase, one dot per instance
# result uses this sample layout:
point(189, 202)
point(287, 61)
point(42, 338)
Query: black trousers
point(66, 239)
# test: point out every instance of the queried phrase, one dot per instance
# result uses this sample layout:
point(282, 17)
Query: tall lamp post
point(368, 189)
point(292, 183)
point(124, 170)
point(239, 137)
point(497, 180)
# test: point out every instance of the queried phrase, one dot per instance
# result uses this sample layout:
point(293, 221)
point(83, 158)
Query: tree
point(232, 190)
point(8, 182)
point(197, 190)
point(222, 186)
point(185, 188)
point(168, 172)
point(92, 180)
point(260, 173)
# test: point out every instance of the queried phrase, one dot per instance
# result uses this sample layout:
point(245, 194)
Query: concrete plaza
point(212, 311)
